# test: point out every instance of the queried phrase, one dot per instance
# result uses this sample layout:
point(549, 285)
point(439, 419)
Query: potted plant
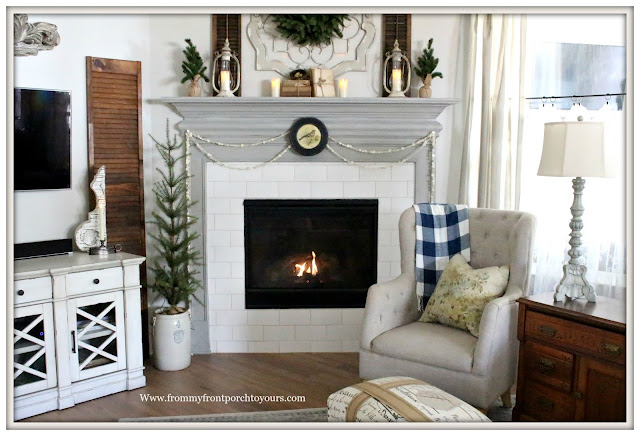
point(193, 69)
point(173, 280)
point(427, 63)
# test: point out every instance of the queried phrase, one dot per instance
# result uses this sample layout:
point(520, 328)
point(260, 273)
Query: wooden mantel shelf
point(371, 121)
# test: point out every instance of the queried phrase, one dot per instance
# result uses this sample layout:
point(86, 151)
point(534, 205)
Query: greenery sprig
point(427, 63)
point(310, 29)
point(193, 64)
point(173, 279)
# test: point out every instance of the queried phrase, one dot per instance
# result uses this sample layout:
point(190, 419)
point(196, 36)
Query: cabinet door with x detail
point(34, 360)
point(96, 325)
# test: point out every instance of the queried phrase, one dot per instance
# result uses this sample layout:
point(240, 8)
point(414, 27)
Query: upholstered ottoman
point(398, 399)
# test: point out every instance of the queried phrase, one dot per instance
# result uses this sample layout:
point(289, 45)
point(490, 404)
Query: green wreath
point(311, 29)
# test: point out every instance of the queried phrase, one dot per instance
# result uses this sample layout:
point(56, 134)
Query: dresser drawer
point(575, 336)
point(28, 290)
point(549, 366)
point(547, 404)
point(92, 281)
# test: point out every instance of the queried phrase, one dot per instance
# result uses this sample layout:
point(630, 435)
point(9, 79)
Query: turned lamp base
point(574, 283)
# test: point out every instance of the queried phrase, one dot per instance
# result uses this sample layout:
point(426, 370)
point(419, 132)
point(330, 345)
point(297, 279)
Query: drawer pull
point(546, 365)
point(578, 395)
point(96, 281)
point(612, 349)
point(544, 403)
point(21, 292)
point(547, 331)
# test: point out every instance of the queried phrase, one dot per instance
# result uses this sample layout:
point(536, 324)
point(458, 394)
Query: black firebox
point(309, 253)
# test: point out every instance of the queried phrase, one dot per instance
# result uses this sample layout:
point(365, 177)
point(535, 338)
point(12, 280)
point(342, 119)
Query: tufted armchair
point(476, 370)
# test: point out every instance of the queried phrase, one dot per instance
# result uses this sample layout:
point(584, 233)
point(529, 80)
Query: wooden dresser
point(572, 360)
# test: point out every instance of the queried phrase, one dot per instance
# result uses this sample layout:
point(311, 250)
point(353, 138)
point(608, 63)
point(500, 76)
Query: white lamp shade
point(574, 149)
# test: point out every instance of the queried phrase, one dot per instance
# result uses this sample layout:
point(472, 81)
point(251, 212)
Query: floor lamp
point(574, 149)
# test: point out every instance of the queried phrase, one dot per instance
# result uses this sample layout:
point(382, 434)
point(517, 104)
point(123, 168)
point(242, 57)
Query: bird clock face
point(308, 136)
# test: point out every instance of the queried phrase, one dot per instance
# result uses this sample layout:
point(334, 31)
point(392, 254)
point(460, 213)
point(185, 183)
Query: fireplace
point(309, 253)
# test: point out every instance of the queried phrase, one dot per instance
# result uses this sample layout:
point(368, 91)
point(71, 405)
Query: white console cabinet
point(77, 330)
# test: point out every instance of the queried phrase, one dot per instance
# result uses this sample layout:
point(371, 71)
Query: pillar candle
point(225, 84)
point(275, 87)
point(342, 88)
point(396, 80)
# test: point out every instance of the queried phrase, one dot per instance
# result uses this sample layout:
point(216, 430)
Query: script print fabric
point(435, 404)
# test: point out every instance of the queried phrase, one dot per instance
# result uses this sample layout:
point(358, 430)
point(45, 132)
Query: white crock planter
point(171, 341)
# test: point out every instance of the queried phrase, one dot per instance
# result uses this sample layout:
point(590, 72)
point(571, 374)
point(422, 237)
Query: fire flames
point(311, 269)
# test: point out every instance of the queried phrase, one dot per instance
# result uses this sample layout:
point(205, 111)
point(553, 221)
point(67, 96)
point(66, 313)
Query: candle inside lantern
point(225, 84)
point(342, 88)
point(275, 87)
point(102, 222)
point(396, 80)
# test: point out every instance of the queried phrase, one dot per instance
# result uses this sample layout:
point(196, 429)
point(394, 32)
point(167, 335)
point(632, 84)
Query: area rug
point(496, 413)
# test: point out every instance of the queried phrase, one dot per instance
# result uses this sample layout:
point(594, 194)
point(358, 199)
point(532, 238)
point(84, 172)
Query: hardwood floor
point(313, 375)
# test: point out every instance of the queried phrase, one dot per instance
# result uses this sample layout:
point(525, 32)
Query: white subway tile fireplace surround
point(234, 329)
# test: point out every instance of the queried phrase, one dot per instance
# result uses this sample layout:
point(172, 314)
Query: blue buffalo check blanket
point(442, 230)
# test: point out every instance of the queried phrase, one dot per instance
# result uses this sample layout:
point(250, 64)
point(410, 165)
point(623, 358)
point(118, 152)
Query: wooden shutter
point(114, 122)
point(389, 36)
point(219, 24)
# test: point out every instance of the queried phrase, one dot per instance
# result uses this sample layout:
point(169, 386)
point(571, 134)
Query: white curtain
point(493, 102)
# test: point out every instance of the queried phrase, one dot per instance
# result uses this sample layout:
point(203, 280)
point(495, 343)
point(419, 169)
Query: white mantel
point(360, 121)
point(223, 325)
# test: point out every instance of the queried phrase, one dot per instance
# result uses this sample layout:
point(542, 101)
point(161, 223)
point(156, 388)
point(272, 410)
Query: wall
point(63, 68)
point(445, 31)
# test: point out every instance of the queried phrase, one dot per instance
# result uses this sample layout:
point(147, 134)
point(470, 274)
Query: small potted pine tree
point(193, 69)
point(173, 279)
point(427, 63)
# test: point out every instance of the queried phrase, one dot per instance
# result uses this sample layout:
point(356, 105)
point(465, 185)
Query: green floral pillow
point(462, 294)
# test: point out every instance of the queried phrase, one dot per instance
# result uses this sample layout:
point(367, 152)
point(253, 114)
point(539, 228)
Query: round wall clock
point(308, 136)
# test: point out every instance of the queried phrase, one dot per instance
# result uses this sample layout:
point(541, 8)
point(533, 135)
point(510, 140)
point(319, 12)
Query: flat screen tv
point(42, 139)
